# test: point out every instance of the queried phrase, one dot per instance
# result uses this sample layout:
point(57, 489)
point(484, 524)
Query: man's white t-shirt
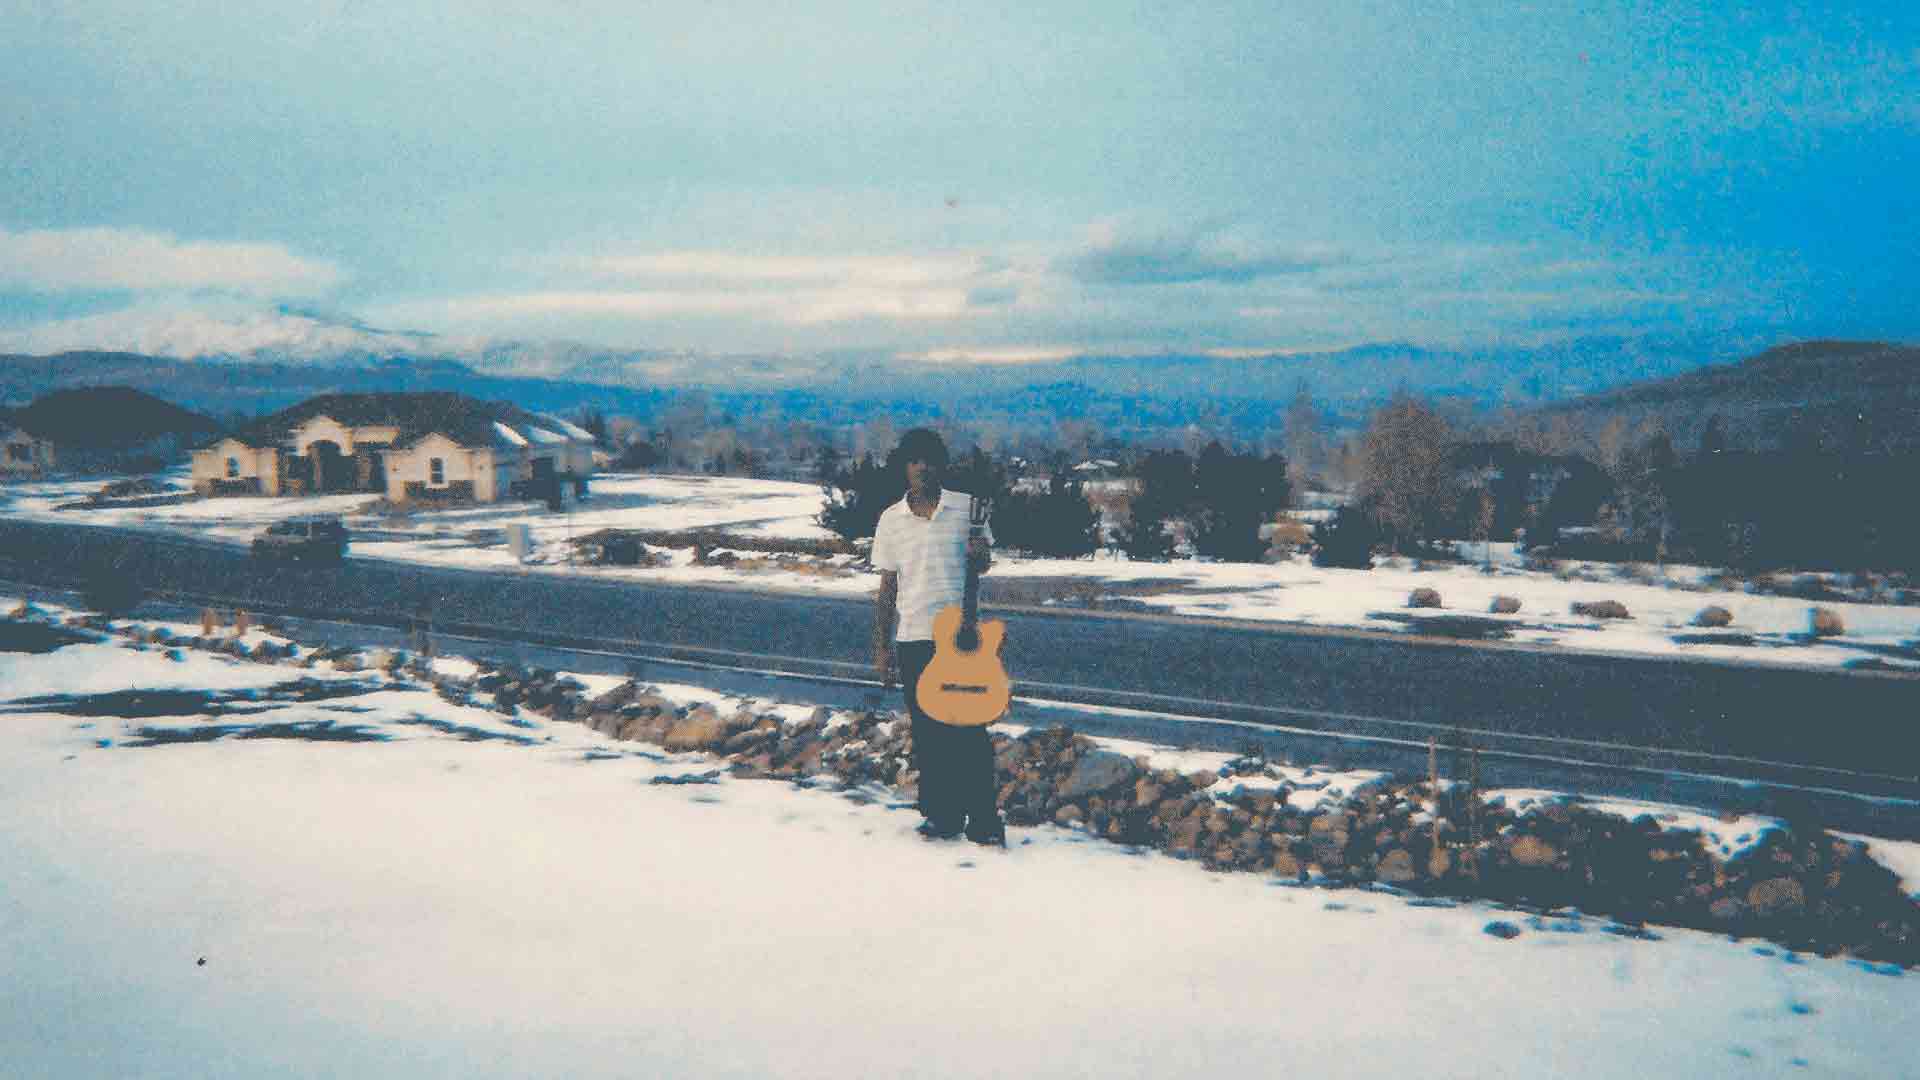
point(930, 555)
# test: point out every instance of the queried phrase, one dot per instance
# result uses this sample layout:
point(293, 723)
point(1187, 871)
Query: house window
point(436, 471)
point(233, 468)
point(19, 452)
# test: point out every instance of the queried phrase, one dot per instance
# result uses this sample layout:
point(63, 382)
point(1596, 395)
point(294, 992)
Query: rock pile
point(1798, 885)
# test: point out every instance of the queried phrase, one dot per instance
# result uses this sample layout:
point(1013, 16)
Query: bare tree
point(1406, 476)
point(1305, 445)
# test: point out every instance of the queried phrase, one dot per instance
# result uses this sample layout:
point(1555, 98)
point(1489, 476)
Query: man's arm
point(885, 605)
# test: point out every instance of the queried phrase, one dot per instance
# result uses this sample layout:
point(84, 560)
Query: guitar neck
point(970, 599)
point(977, 514)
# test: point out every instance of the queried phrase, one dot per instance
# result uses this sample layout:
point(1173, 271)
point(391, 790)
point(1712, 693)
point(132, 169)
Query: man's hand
point(979, 553)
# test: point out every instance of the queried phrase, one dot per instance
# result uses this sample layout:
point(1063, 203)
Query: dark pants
point(955, 763)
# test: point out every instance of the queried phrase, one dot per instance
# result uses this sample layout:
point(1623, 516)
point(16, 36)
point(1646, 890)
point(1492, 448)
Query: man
point(922, 548)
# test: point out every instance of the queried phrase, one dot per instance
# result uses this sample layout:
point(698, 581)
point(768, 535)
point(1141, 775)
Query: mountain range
point(1585, 382)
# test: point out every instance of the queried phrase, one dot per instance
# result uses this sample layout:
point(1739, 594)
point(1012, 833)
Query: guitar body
point(965, 687)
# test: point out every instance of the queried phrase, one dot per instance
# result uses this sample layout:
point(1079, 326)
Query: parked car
point(315, 539)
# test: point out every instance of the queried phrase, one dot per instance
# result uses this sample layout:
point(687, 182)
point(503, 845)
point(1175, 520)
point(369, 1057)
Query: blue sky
point(959, 182)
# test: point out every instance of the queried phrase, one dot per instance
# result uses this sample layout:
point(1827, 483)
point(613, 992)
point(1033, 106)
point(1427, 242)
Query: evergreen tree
point(1234, 495)
point(1058, 523)
point(1166, 492)
point(856, 496)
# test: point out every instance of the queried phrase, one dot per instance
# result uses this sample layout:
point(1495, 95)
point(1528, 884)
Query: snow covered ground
point(1764, 628)
point(442, 890)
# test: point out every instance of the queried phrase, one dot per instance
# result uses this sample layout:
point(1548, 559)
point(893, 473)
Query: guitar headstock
point(980, 511)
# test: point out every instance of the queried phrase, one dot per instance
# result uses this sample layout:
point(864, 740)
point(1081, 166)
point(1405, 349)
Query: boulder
point(1096, 771)
point(1396, 866)
point(1067, 815)
point(1601, 609)
point(1504, 605)
point(1713, 616)
point(1423, 597)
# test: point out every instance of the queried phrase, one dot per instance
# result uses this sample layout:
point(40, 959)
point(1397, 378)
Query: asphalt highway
point(1856, 731)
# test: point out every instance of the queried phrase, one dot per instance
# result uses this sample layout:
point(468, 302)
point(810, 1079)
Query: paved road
point(1379, 684)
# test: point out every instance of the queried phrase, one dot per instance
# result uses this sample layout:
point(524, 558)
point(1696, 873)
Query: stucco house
point(409, 446)
point(97, 429)
point(23, 453)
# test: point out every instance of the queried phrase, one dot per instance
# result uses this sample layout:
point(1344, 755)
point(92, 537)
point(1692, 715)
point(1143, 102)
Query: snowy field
point(453, 892)
point(1764, 628)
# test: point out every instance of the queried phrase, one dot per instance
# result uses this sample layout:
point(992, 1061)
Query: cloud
point(1210, 256)
point(793, 307)
point(1002, 354)
point(137, 260)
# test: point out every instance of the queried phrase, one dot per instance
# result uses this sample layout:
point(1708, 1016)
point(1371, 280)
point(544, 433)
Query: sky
point(957, 182)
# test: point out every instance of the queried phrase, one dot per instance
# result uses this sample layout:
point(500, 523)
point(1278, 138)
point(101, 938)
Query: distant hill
point(1838, 394)
point(101, 417)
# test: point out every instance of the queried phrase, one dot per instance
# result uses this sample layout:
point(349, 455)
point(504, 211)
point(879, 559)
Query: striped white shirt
point(930, 555)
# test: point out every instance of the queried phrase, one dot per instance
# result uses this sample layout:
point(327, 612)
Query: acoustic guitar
point(965, 684)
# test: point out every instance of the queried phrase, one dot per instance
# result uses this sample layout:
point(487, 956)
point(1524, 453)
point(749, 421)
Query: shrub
point(1346, 540)
point(1713, 616)
point(1601, 609)
point(1290, 535)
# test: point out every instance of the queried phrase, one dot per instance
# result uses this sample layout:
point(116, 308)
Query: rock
point(699, 729)
point(1504, 605)
point(1505, 931)
point(1328, 824)
point(1183, 836)
point(1145, 791)
point(1096, 771)
point(1777, 896)
point(1396, 866)
point(1067, 815)
point(1423, 597)
point(1713, 616)
point(1825, 622)
point(1285, 865)
point(1533, 851)
point(1202, 779)
point(1601, 609)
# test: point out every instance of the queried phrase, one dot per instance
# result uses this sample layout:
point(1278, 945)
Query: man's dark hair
point(921, 444)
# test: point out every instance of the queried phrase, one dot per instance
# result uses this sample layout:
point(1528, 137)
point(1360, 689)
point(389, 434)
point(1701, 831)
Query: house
point(97, 429)
point(409, 446)
point(23, 453)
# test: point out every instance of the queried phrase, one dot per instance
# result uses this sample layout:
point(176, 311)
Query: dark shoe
point(934, 830)
point(990, 833)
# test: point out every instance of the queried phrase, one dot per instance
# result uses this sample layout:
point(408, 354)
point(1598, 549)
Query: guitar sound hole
point(966, 640)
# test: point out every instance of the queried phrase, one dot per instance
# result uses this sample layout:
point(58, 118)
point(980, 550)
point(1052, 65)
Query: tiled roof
point(467, 421)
